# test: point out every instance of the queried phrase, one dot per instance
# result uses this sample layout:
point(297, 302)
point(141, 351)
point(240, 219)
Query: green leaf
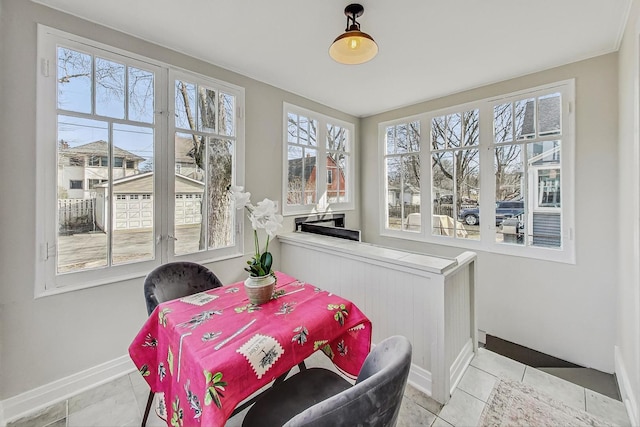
point(266, 260)
point(208, 376)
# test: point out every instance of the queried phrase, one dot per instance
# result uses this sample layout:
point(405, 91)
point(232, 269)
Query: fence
point(76, 215)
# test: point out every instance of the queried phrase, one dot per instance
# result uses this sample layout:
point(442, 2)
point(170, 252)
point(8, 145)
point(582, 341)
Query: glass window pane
point(110, 88)
point(185, 105)
point(439, 132)
point(82, 222)
point(503, 122)
point(390, 135)
point(74, 80)
point(525, 122)
point(454, 130)
point(442, 167)
point(467, 181)
point(411, 192)
point(543, 153)
point(549, 114)
point(292, 128)
point(189, 189)
point(133, 216)
point(295, 177)
point(309, 176)
point(510, 211)
point(141, 95)
point(471, 127)
point(206, 109)
point(402, 138)
point(337, 138)
point(227, 114)
point(394, 193)
point(219, 178)
point(336, 178)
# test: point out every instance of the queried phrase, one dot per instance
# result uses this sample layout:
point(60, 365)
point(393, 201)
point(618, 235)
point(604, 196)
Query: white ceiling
point(428, 48)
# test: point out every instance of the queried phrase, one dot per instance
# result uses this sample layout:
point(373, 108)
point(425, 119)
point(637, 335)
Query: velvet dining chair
point(175, 280)
point(319, 397)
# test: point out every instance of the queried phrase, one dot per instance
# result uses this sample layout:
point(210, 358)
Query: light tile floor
point(121, 402)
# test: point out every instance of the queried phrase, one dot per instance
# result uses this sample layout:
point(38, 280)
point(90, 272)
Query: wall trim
point(60, 390)
point(420, 378)
point(459, 366)
point(629, 399)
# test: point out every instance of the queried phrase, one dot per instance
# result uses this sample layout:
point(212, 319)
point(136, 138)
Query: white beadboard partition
point(428, 299)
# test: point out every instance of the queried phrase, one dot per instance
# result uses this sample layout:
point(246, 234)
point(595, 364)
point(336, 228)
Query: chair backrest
point(375, 398)
point(175, 280)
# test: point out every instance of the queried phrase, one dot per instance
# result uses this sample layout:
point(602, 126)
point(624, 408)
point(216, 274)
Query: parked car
point(504, 209)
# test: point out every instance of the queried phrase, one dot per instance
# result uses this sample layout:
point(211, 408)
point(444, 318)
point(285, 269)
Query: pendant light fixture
point(353, 47)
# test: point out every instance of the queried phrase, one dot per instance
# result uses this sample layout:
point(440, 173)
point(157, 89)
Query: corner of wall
point(628, 397)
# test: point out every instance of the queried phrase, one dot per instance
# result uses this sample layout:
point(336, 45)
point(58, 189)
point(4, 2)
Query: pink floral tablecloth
point(210, 351)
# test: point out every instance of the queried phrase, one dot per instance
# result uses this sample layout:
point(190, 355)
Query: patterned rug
point(516, 404)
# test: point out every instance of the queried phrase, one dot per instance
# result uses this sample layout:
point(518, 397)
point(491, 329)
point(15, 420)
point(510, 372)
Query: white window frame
point(321, 205)
point(47, 281)
point(487, 241)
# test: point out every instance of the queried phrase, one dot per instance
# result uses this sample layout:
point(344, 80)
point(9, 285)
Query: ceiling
point(428, 48)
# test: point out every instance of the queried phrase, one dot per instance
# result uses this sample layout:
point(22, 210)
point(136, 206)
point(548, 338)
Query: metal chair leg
point(147, 409)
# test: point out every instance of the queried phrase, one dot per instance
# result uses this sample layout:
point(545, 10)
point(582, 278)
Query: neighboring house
point(133, 197)
point(185, 160)
point(84, 167)
point(336, 181)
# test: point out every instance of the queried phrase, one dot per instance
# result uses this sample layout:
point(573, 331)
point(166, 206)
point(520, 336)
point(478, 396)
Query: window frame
point(321, 205)
point(48, 281)
point(487, 241)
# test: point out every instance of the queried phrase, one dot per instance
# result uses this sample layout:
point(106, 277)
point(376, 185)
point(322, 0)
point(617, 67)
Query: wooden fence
point(76, 215)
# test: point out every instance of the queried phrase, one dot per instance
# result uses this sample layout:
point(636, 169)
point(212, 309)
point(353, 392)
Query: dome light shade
point(353, 46)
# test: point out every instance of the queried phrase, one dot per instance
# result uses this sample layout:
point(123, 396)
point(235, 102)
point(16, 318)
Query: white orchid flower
point(240, 198)
point(273, 224)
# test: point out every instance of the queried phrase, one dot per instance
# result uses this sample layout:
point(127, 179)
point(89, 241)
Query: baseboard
point(459, 366)
point(628, 397)
point(60, 390)
point(420, 379)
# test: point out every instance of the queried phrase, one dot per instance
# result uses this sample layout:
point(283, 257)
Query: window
point(100, 103)
point(318, 162)
point(493, 170)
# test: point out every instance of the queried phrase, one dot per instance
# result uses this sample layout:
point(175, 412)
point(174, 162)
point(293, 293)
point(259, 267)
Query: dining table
point(208, 352)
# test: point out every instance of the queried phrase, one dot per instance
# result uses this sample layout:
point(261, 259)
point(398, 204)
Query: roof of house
point(99, 148)
point(295, 167)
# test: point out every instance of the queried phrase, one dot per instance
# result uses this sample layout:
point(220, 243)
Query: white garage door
point(133, 211)
point(188, 209)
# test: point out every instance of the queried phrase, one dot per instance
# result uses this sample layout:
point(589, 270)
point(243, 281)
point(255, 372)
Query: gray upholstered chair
point(319, 397)
point(175, 280)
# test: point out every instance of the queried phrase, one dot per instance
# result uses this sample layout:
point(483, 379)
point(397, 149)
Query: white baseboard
point(628, 397)
point(420, 379)
point(459, 366)
point(62, 389)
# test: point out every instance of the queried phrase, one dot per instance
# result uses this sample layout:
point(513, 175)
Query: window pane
point(471, 129)
point(467, 182)
point(292, 128)
point(141, 95)
point(185, 105)
point(336, 178)
point(390, 139)
point(82, 243)
point(439, 133)
point(442, 166)
point(337, 138)
point(219, 178)
point(525, 118)
point(189, 181)
point(394, 193)
point(510, 211)
point(454, 130)
point(74, 80)
point(109, 88)
point(301, 181)
point(226, 114)
point(411, 192)
point(206, 109)
point(132, 216)
point(503, 123)
point(549, 114)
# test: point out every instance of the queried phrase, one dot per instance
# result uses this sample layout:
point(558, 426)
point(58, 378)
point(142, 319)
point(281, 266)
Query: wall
point(628, 319)
point(564, 310)
point(53, 337)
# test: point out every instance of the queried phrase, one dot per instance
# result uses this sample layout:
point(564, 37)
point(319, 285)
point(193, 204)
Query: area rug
point(516, 404)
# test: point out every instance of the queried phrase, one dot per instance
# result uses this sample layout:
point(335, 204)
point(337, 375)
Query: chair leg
point(147, 409)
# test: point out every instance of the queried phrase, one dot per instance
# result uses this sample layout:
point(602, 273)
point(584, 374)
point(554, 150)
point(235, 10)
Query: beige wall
point(564, 310)
point(628, 313)
point(53, 337)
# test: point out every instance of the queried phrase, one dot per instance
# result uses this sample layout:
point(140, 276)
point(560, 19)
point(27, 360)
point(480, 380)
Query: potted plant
point(264, 215)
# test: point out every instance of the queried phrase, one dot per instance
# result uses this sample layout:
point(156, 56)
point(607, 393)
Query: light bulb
point(354, 43)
